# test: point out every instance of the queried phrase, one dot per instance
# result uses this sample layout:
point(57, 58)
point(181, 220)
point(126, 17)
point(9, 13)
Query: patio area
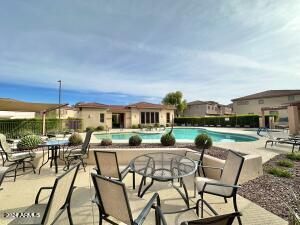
point(20, 194)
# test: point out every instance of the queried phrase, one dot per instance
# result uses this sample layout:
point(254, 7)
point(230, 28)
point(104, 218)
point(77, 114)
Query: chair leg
point(16, 169)
point(201, 194)
point(23, 166)
point(236, 209)
point(33, 168)
point(69, 215)
point(133, 180)
point(81, 159)
point(225, 200)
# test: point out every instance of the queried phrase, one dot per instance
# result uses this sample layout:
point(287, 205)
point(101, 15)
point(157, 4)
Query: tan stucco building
point(252, 104)
point(119, 116)
point(206, 108)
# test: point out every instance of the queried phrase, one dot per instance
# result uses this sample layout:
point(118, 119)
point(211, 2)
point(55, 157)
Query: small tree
point(176, 99)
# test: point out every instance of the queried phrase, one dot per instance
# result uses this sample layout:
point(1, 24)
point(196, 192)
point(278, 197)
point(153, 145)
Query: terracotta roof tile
point(269, 94)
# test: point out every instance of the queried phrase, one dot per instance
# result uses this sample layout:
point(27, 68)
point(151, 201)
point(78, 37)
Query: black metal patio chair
point(79, 154)
point(113, 202)
point(17, 159)
point(107, 165)
point(226, 186)
point(3, 171)
point(58, 202)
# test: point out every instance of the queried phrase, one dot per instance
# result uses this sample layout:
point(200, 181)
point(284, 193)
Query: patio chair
point(282, 140)
point(190, 217)
point(16, 158)
point(107, 165)
point(80, 154)
point(198, 158)
point(58, 202)
point(112, 201)
point(226, 186)
point(2, 173)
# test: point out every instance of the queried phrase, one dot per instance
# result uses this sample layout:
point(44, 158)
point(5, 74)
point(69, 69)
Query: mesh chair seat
point(219, 190)
point(178, 218)
point(37, 208)
point(22, 155)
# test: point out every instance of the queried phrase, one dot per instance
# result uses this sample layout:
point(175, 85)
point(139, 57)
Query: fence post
point(44, 124)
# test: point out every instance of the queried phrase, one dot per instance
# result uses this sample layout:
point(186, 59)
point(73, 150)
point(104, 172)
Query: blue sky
point(125, 51)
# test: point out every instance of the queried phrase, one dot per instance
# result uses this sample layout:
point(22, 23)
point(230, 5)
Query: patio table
point(54, 147)
point(164, 167)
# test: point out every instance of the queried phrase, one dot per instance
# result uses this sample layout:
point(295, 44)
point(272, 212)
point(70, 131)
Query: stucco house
point(252, 104)
point(206, 108)
point(124, 116)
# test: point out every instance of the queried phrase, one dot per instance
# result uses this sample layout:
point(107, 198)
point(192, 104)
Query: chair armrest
point(221, 185)
point(39, 192)
point(212, 167)
point(151, 204)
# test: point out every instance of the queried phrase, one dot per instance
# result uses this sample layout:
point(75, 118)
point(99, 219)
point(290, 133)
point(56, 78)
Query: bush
point(89, 129)
point(99, 128)
point(75, 139)
point(106, 142)
point(293, 156)
point(135, 140)
point(285, 163)
point(200, 141)
point(29, 142)
point(279, 172)
point(134, 126)
point(168, 139)
point(241, 120)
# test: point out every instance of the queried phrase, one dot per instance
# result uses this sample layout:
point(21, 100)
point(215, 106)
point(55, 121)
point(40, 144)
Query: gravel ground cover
point(275, 193)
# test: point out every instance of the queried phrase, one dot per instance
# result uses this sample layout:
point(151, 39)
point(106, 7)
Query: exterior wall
point(253, 106)
point(67, 113)
point(195, 110)
point(91, 117)
point(16, 115)
point(294, 122)
point(212, 109)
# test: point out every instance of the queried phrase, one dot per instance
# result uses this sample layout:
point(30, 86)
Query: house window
point(168, 118)
point(260, 101)
point(208, 107)
point(291, 98)
point(101, 117)
point(156, 117)
point(143, 117)
point(149, 117)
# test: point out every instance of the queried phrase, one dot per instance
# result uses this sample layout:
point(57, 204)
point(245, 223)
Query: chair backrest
point(195, 155)
point(60, 194)
point(5, 146)
point(226, 219)
point(107, 164)
point(232, 169)
point(113, 198)
point(85, 145)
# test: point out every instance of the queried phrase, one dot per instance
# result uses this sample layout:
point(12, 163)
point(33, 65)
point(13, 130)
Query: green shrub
point(293, 156)
point(99, 128)
point(106, 142)
point(279, 172)
point(75, 139)
point(134, 126)
point(167, 139)
point(200, 141)
point(89, 129)
point(156, 125)
point(29, 142)
point(242, 120)
point(135, 140)
point(285, 163)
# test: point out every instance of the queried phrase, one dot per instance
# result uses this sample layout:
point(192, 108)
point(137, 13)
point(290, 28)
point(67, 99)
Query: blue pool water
point(182, 133)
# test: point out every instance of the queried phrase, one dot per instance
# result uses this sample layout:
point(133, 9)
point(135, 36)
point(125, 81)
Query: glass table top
point(163, 166)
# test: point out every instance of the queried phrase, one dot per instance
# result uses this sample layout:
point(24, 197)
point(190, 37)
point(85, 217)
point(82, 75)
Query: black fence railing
point(17, 128)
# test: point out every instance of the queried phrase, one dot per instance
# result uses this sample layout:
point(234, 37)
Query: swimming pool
point(181, 134)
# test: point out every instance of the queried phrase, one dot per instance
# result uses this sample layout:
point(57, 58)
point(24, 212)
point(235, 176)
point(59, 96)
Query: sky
point(124, 51)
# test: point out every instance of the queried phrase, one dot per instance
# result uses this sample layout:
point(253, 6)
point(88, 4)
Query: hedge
point(232, 121)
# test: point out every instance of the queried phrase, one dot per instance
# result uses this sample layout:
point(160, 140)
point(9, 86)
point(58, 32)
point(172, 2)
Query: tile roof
point(269, 94)
point(139, 105)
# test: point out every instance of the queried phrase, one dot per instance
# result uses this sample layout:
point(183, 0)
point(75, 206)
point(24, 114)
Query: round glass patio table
point(164, 167)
